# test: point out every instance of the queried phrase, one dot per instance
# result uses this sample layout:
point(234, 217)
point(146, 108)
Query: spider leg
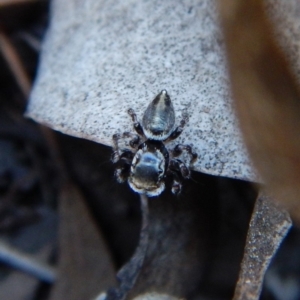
point(123, 166)
point(121, 153)
point(176, 165)
point(122, 172)
point(136, 124)
point(123, 157)
point(176, 184)
point(178, 172)
point(135, 139)
point(117, 152)
point(176, 133)
point(178, 149)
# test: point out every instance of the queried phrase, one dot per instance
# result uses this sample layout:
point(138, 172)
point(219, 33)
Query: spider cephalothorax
point(147, 163)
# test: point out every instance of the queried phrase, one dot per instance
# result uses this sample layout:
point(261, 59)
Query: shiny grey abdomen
point(159, 118)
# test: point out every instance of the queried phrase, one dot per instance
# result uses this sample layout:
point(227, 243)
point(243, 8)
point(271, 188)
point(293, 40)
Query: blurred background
point(34, 164)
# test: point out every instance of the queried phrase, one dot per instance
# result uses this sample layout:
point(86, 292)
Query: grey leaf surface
point(97, 62)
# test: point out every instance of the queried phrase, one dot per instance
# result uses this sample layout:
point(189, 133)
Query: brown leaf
point(268, 227)
point(183, 248)
point(266, 97)
point(11, 56)
point(85, 265)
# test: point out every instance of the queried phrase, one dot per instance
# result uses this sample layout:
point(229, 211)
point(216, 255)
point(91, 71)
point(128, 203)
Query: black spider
point(147, 167)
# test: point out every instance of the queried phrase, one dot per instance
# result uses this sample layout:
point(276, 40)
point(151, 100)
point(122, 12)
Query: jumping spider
point(147, 167)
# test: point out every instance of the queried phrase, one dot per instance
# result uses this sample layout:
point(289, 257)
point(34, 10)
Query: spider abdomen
point(159, 118)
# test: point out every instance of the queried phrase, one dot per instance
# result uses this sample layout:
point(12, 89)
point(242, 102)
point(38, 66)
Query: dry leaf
point(98, 62)
point(268, 227)
point(85, 266)
point(266, 97)
point(180, 252)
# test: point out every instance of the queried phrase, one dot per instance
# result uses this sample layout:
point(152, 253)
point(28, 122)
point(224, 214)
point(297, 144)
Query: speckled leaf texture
point(100, 58)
